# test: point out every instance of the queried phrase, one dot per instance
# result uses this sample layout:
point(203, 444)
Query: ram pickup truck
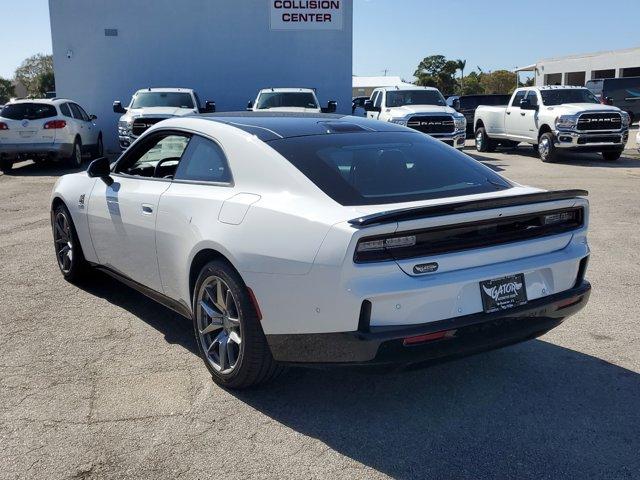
point(421, 108)
point(298, 100)
point(553, 119)
point(151, 105)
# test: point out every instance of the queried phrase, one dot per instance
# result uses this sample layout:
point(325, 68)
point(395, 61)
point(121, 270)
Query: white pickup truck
point(151, 105)
point(421, 108)
point(553, 119)
point(298, 100)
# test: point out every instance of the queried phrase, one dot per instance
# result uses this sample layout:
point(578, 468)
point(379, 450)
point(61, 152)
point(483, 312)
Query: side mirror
point(456, 104)
point(100, 168)
point(92, 117)
point(369, 107)
point(209, 106)
point(608, 101)
point(118, 108)
point(250, 106)
point(526, 105)
point(332, 106)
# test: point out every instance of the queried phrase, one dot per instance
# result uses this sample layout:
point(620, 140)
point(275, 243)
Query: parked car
point(467, 104)
point(624, 93)
point(289, 100)
point(421, 108)
point(152, 105)
point(554, 119)
point(324, 240)
point(358, 103)
point(55, 129)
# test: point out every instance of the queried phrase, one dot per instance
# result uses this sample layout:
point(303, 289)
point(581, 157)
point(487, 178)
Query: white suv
point(56, 129)
point(300, 100)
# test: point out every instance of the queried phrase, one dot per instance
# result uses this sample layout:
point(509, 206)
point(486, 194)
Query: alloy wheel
point(544, 148)
point(63, 241)
point(218, 323)
point(78, 154)
point(479, 140)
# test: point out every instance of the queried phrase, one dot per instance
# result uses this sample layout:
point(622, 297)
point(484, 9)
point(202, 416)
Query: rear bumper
point(54, 150)
point(465, 335)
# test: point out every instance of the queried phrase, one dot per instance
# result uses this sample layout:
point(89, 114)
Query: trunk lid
point(25, 122)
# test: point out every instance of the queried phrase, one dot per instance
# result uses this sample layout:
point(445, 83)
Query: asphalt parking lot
point(100, 382)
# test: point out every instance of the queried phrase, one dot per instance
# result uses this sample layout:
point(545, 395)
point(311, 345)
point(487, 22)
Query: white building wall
point(224, 49)
point(588, 63)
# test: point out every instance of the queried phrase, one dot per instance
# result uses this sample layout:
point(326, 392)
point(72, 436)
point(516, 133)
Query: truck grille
point(600, 121)
point(432, 124)
point(140, 125)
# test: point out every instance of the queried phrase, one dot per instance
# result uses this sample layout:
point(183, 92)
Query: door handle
point(508, 113)
point(147, 209)
point(522, 113)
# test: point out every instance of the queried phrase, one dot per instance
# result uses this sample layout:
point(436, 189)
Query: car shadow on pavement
point(575, 159)
point(43, 169)
point(534, 410)
point(175, 328)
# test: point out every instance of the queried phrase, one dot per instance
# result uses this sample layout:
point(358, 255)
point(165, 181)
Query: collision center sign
point(306, 14)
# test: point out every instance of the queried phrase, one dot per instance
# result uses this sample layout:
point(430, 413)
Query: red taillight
point(55, 124)
point(428, 337)
point(4, 126)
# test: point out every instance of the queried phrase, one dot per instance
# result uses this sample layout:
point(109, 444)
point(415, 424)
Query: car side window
point(517, 98)
point(64, 108)
point(378, 101)
point(157, 157)
point(203, 161)
point(75, 110)
point(84, 114)
point(532, 96)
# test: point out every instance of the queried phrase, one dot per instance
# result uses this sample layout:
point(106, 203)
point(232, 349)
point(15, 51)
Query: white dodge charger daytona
point(324, 239)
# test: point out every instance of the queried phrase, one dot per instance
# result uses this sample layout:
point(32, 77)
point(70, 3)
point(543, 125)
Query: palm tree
point(460, 64)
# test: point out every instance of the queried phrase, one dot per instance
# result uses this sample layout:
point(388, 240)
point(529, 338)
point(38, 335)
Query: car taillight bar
point(4, 126)
point(467, 236)
point(54, 124)
point(428, 337)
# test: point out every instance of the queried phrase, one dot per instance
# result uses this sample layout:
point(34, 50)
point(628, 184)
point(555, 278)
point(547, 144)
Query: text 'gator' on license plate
point(503, 293)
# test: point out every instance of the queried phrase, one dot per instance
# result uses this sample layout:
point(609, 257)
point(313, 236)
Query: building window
point(575, 78)
point(630, 72)
point(610, 73)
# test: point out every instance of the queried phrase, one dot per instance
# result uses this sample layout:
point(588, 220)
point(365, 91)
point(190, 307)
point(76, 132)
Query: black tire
point(99, 150)
point(6, 165)
point(611, 156)
point(535, 147)
point(75, 159)
point(254, 363)
point(483, 142)
point(546, 148)
point(75, 267)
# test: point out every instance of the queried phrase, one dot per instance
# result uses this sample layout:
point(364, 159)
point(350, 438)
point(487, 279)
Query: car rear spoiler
point(412, 213)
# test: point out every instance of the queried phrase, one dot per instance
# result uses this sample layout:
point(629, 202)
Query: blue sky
point(397, 34)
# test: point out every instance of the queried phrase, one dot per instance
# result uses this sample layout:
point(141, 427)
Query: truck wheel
point(6, 165)
point(547, 149)
point(227, 329)
point(612, 156)
point(483, 142)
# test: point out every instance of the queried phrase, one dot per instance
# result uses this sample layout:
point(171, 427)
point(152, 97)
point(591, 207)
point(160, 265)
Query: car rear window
point(379, 168)
point(28, 111)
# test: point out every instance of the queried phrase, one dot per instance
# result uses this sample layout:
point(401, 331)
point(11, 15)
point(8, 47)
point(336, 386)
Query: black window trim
point(176, 131)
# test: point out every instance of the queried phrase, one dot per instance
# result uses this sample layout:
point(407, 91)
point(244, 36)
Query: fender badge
point(425, 268)
point(81, 201)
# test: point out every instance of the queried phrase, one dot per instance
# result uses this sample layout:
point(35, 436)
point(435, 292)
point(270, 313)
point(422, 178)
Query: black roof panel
point(275, 125)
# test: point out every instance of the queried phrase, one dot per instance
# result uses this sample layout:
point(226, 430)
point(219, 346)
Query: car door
point(191, 210)
point(122, 216)
point(528, 119)
point(90, 130)
point(512, 122)
point(376, 100)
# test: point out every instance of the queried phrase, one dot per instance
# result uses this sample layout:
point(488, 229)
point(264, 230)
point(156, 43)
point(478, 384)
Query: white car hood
point(406, 110)
point(290, 109)
point(160, 112)
point(574, 108)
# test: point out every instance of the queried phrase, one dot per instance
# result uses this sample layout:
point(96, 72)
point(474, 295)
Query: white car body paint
point(294, 246)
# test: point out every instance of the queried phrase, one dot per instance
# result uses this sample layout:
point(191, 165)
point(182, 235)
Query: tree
point(437, 71)
point(470, 84)
point(461, 64)
point(500, 81)
point(36, 72)
point(46, 83)
point(6, 90)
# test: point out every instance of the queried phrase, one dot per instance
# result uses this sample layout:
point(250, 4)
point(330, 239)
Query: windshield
point(286, 99)
point(377, 168)
point(568, 95)
point(28, 111)
point(162, 99)
point(398, 98)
